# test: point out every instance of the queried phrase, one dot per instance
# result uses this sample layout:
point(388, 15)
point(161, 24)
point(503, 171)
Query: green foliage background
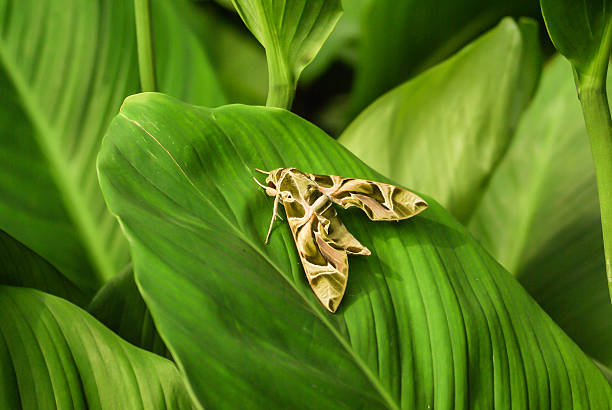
point(133, 272)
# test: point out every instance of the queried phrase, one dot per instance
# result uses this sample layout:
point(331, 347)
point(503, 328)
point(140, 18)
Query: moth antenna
point(274, 210)
point(263, 172)
point(259, 183)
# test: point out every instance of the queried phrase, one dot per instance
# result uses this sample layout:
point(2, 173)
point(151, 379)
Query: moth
point(322, 240)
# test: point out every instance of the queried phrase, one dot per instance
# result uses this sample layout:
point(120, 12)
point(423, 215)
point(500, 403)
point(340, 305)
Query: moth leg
point(276, 197)
point(274, 215)
point(263, 172)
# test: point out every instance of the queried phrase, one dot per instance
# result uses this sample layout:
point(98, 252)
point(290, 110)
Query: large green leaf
point(399, 39)
point(120, 307)
point(540, 215)
point(292, 32)
point(581, 31)
point(22, 267)
point(444, 131)
point(55, 355)
point(428, 320)
point(65, 68)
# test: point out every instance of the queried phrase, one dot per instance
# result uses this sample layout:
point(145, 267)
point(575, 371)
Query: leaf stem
point(144, 37)
point(594, 101)
point(591, 87)
point(281, 84)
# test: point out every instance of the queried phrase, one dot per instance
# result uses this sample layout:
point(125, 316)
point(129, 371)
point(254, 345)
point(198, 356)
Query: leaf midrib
point(240, 234)
point(74, 204)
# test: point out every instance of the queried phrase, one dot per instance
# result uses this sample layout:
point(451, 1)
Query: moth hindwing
point(321, 239)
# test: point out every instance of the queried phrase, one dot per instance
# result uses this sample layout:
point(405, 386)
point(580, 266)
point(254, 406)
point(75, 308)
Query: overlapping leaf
point(239, 60)
point(182, 63)
point(55, 355)
point(400, 39)
point(444, 131)
point(582, 31)
point(539, 215)
point(22, 267)
point(429, 319)
point(65, 67)
point(120, 307)
point(343, 42)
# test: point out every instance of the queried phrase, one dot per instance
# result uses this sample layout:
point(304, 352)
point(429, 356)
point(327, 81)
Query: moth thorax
point(321, 204)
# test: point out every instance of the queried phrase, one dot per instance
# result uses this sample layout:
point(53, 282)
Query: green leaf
point(65, 68)
point(444, 131)
point(292, 34)
point(239, 59)
point(181, 61)
point(605, 371)
point(540, 215)
point(55, 355)
point(400, 39)
point(119, 306)
point(343, 42)
point(429, 319)
point(581, 31)
point(22, 267)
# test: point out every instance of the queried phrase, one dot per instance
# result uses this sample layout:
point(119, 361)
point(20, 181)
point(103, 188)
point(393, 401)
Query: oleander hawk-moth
point(322, 240)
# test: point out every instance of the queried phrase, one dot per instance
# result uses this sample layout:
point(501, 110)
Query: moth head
point(275, 177)
point(272, 181)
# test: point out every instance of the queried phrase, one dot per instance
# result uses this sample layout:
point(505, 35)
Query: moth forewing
point(380, 201)
point(321, 239)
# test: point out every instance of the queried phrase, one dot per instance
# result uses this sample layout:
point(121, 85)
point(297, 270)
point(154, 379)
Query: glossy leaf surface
point(55, 355)
point(429, 319)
